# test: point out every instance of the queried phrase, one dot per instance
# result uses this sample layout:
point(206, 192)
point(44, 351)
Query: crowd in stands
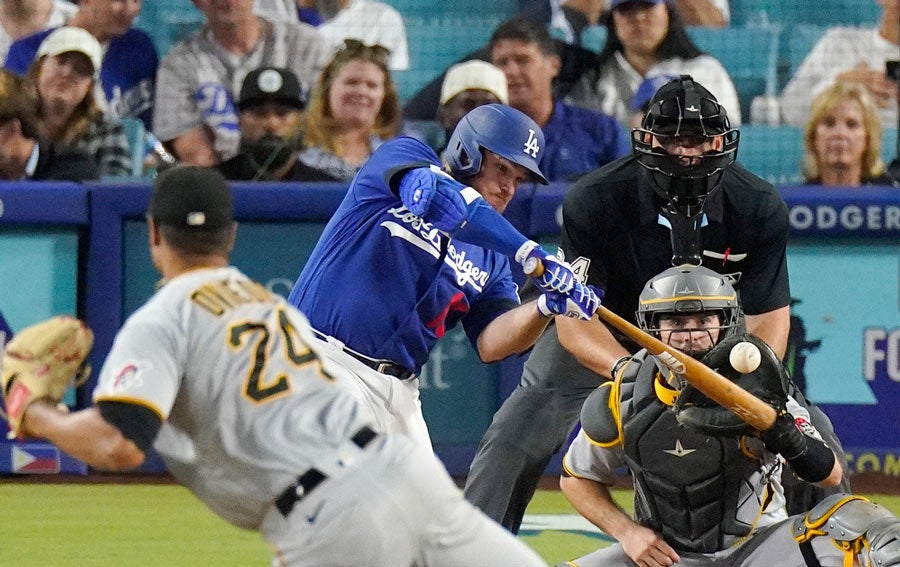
point(306, 90)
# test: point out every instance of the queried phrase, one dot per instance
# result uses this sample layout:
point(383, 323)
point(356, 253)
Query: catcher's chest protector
point(694, 490)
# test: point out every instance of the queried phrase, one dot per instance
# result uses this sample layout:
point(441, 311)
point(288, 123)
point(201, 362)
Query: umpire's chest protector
point(693, 489)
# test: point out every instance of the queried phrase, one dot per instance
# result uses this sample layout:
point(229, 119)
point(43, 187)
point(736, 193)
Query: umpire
point(679, 199)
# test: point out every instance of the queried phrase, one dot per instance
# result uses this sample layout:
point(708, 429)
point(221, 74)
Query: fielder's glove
point(41, 362)
point(556, 276)
point(769, 382)
point(581, 302)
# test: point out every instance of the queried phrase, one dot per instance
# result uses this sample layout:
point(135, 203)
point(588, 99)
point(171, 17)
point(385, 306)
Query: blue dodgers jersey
point(128, 71)
point(388, 284)
point(579, 140)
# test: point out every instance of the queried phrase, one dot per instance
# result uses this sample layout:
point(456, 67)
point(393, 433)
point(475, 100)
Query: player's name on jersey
point(218, 297)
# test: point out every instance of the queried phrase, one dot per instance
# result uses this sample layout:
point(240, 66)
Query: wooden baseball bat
point(726, 393)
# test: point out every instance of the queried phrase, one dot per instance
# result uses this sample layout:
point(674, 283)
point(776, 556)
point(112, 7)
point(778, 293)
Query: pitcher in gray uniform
point(707, 486)
point(223, 379)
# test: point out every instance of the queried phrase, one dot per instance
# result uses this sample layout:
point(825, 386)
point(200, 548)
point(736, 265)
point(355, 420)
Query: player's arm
point(591, 343)
point(85, 435)
point(700, 13)
point(772, 327)
point(460, 211)
point(796, 439)
point(834, 478)
point(513, 332)
point(516, 330)
point(194, 147)
point(808, 456)
point(593, 501)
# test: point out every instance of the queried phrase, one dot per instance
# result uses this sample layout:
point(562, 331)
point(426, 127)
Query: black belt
point(313, 477)
point(381, 366)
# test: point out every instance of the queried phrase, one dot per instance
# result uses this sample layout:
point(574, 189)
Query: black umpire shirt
point(611, 229)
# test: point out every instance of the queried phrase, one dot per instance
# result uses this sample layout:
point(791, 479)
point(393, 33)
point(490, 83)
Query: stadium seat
point(818, 12)
point(756, 12)
point(435, 43)
point(889, 145)
point(492, 9)
point(775, 153)
point(831, 13)
point(749, 54)
point(134, 131)
point(796, 43)
point(168, 22)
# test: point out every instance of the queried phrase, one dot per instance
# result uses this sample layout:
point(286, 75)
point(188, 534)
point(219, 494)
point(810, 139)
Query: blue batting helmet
point(500, 129)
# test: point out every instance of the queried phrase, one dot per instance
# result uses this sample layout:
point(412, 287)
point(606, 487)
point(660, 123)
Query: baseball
point(744, 357)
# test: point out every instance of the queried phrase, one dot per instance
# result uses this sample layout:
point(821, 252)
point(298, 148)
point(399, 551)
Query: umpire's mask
point(685, 142)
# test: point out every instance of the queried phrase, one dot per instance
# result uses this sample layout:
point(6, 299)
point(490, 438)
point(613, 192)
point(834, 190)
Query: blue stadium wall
point(81, 249)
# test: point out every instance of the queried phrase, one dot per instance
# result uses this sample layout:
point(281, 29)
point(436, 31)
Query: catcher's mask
point(686, 290)
point(684, 111)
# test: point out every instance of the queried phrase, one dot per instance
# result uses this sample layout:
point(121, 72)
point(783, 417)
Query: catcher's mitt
point(769, 382)
point(41, 362)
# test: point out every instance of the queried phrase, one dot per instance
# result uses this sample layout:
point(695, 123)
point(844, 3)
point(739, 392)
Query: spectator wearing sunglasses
point(353, 109)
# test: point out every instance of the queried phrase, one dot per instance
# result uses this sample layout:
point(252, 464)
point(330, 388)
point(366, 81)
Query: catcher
point(41, 362)
point(707, 487)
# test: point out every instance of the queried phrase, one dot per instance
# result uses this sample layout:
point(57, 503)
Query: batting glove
point(435, 197)
point(579, 303)
point(556, 276)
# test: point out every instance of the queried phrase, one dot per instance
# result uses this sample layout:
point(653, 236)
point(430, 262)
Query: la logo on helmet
point(531, 144)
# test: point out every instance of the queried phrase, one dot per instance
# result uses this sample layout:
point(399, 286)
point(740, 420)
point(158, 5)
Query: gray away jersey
point(246, 402)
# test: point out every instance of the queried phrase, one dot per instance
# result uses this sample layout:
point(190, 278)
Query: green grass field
point(151, 525)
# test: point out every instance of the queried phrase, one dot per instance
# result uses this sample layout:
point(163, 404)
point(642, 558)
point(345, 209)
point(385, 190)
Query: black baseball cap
point(271, 84)
point(190, 196)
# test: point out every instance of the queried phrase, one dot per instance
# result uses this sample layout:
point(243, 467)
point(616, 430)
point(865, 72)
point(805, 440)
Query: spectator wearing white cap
point(129, 61)
point(67, 65)
point(20, 18)
point(25, 154)
point(466, 86)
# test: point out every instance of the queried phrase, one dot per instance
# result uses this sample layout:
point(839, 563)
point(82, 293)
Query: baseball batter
point(707, 487)
point(224, 380)
point(415, 249)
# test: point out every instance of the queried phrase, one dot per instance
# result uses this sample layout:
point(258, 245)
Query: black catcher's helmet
point(683, 107)
point(688, 289)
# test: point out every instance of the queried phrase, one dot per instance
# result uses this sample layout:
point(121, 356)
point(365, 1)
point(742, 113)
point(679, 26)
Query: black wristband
point(815, 463)
point(809, 457)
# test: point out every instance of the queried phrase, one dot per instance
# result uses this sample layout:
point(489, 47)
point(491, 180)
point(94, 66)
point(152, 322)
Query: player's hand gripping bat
point(753, 411)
